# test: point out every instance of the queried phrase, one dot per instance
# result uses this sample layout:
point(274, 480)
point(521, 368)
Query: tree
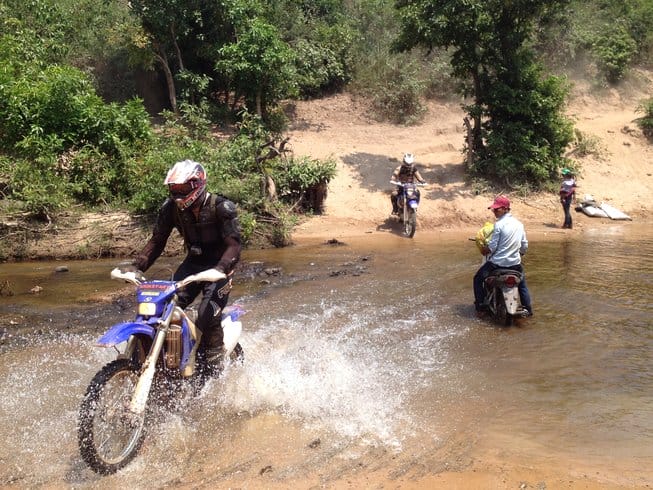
point(259, 64)
point(518, 131)
point(183, 36)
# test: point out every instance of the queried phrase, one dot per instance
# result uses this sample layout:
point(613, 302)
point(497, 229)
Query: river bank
point(619, 172)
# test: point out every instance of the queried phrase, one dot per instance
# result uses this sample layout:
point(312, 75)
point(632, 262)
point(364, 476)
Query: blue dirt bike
point(157, 359)
point(408, 201)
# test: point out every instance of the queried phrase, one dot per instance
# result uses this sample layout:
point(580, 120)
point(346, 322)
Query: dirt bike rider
point(504, 249)
point(211, 232)
point(404, 173)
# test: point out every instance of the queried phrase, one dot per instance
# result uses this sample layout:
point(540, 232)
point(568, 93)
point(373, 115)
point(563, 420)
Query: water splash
point(333, 370)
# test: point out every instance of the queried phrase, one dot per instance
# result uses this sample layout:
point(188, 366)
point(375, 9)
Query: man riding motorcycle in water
point(209, 226)
point(404, 173)
point(504, 249)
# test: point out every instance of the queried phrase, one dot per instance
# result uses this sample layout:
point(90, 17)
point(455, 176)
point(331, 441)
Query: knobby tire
point(410, 223)
point(109, 435)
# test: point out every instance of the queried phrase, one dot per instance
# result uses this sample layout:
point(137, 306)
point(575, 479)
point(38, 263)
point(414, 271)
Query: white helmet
point(186, 181)
point(409, 158)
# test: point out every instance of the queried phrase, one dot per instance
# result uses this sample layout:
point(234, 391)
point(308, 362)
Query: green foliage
point(37, 185)
point(646, 121)
point(232, 172)
point(520, 133)
point(34, 34)
point(614, 50)
point(299, 180)
point(280, 231)
point(610, 35)
point(248, 225)
point(322, 38)
point(526, 131)
point(63, 143)
point(59, 110)
point(398, 98)
point(259, 65)
point(299, 175)
point(586, 144)
point(146, 170)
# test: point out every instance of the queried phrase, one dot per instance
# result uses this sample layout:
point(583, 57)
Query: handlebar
point(404, 184)
point(209, 275)
point(137, 277)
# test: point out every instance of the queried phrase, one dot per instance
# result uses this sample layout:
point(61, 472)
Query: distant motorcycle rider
point(404, 173)
point(209, 226)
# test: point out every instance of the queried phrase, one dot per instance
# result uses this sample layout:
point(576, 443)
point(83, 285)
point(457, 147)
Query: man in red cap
point(504, 250)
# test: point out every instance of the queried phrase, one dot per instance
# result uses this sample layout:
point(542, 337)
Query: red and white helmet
point(186, 181)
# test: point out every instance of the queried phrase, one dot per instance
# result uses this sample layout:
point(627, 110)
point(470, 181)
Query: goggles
point(181, 190)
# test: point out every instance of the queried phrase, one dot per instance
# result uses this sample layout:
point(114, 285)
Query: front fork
point(142, 391)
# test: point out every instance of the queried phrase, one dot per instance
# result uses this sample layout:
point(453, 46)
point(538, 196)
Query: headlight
point(147, 309)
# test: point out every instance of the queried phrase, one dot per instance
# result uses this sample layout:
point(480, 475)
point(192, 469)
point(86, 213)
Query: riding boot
point(214, 351)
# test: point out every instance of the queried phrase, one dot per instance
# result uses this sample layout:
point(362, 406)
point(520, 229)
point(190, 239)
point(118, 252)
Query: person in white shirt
point(504, 250)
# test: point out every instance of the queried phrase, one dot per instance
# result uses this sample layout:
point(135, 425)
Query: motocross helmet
point(409, 159)
point(186, 181)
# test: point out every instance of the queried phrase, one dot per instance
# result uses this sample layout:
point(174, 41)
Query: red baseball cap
point(500, 202)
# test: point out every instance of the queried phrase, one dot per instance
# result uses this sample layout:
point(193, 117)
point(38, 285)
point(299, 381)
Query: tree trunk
point(170, 81)
point(177, 50)
point(259, 99)
point(476, 130)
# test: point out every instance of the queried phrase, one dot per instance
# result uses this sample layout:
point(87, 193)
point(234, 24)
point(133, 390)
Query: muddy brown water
point(362, 355)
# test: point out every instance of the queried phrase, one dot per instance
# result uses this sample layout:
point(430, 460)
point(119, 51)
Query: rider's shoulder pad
point(226, 209)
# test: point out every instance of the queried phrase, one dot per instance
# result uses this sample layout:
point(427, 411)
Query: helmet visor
point(181, 190)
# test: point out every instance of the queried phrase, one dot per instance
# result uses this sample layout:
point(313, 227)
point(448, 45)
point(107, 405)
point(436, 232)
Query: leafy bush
point(304, 181)
point(646, 122)
point(614, 50)
point(42, 191)
point(60, 110)
point(248, 225)
point(398, 98)
point(586, 144)
point(526, 133)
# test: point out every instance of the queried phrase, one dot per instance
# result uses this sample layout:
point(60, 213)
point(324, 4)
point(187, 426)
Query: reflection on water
point(368, 347)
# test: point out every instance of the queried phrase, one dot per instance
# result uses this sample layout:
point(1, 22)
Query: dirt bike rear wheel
point(109, 434)
point(410, 223)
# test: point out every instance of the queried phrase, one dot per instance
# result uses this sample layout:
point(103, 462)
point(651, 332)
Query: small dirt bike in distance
point(158, 361)
point(408, 202)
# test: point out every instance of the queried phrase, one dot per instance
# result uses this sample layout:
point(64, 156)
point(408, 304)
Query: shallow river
point(365, 355)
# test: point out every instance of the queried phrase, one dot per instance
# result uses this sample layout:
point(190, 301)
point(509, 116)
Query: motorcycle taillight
point(511, 281)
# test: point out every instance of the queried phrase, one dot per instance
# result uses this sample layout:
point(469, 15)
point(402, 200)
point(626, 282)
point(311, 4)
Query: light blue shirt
point(508, 241)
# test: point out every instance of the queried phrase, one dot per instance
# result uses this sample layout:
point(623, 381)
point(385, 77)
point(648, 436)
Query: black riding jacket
point(212, 240)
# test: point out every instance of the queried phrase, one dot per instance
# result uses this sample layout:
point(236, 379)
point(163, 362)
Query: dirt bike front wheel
point(109, 434)
point(410, 223)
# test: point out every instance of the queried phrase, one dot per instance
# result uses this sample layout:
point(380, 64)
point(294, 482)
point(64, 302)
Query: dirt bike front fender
point(121, 332)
